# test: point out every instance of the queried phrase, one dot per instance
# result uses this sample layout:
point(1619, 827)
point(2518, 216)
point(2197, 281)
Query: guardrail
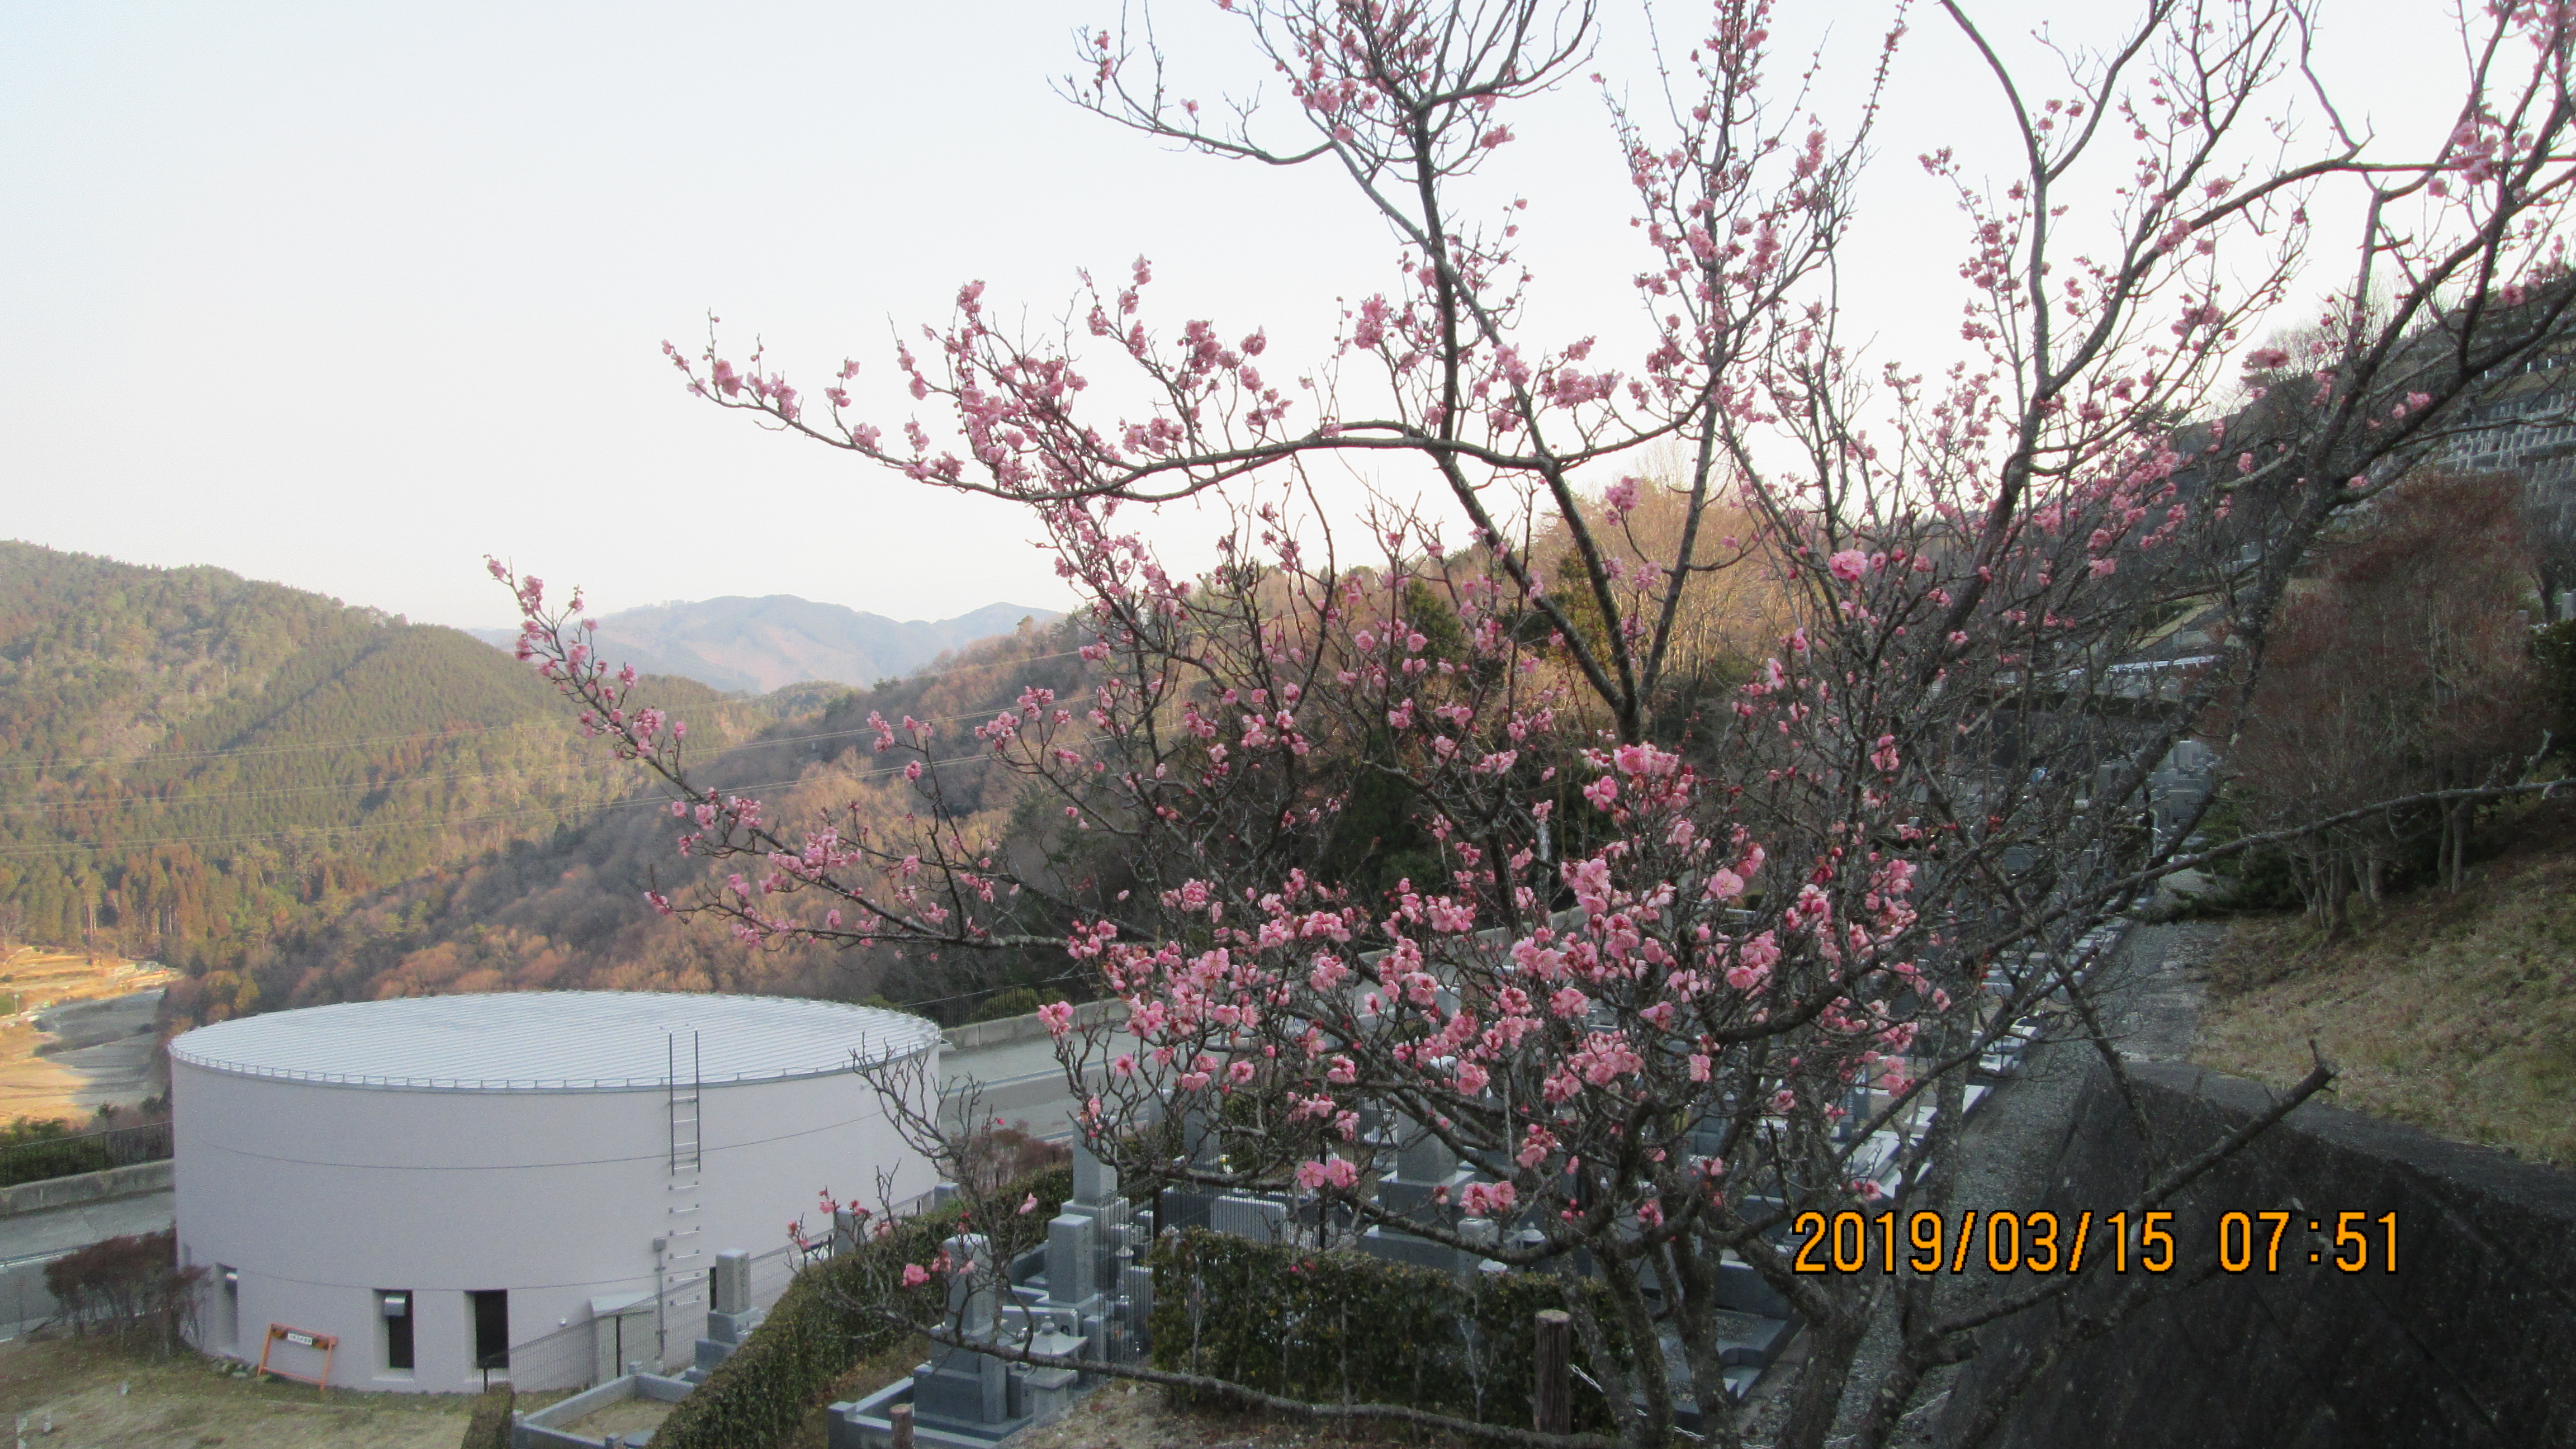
point(97, 1150)
point(25, 1301)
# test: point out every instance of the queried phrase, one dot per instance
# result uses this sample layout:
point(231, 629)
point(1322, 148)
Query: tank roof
point(563, 1041)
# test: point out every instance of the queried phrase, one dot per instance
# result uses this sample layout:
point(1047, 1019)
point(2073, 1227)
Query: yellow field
point(30, 981)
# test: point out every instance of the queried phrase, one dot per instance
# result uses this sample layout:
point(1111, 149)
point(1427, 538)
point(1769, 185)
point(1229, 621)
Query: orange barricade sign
point(301, 1338)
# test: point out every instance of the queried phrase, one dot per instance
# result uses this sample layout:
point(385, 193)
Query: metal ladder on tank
point(685, 1101)
point(679, 1262)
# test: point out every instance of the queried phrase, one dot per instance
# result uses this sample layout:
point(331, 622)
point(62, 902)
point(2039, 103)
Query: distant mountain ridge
point(194, 764)
point(764, 644)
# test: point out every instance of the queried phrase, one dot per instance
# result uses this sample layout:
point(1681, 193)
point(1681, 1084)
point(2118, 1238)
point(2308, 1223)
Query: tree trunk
point(1833, 1344)
point(2334, 878)
point(1552, 1403)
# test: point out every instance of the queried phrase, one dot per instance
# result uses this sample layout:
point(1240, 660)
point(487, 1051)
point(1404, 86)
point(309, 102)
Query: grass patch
point(2456, 1013)
point(99, 1391)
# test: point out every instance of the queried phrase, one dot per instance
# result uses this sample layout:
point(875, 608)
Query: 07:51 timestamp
point(2242, 1237)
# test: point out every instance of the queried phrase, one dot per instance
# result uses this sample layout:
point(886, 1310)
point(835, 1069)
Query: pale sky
point(346, 296)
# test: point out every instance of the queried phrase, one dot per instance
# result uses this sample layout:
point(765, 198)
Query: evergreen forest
point(297, 801)
point(195, 767)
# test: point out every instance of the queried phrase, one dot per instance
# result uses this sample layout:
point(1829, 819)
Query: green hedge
point(812, 1336)
point(1344, 1327)
point(32, 1151)
point(2554, 647)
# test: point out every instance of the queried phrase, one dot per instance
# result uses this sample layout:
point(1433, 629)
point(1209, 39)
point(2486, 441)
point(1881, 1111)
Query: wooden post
point(901, 1415)
point(1552, 1389)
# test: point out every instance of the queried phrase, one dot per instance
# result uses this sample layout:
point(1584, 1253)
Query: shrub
point(1344, 1327)
point(1004, 1153)
point(813, 1334)
point(1018, 1001)
point(126, 1285)
point(2553, 646)
point(33, 1150)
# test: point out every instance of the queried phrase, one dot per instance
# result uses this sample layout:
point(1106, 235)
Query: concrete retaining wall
point(1016, 1028)
point(2472, 1341)
point(80, 1187)
point(544, 1428)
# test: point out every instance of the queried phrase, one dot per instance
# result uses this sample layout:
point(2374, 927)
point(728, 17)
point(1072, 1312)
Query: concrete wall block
point(2471, 1342)
point(81, 1187)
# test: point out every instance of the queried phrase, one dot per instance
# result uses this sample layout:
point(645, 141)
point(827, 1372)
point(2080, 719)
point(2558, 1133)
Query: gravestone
point(1094, 1181)
point(961, 1388)
point(1136, 1279)
point(1095, 1196)
point(1199, 1139)
point(1072, 1261)
point(731, 1284)
point(730, 1316)
point(1743, 1290)
point(1262, 1219)
point(1403, 1247)
point(1427, 1180)
point(1187, 1206)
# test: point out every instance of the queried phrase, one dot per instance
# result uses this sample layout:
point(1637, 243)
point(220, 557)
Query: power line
point(309, 832)
point(367, 827)
point(268, 749)
point(478, 730)
point(176, 801)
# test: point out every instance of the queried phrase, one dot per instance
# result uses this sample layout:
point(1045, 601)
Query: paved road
point(55, 1230)
point(1019, 1081)
point(29, 1241)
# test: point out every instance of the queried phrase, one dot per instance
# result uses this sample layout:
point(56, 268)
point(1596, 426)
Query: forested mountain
point(759, 645)
point(193, 765)
point(567, 909)
point(301, 802)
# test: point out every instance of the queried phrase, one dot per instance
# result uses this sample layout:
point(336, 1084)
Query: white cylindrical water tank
point(528, 1186)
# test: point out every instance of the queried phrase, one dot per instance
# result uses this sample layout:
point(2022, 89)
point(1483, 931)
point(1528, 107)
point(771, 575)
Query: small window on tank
point(491, 1327)
point(227, 1305)
point(395, 1306)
